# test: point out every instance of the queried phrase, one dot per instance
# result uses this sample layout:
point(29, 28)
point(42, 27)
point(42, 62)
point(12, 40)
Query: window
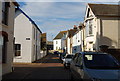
point(17, 49)
point(34, 33)
point(90, 27)
point(5, 11)
point(56, 48)
point(59, 48)
point(94, 61)
point(56, 42)
point(4, 50)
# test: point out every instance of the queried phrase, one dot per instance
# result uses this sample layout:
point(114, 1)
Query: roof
point(71, 32)
point(105, 9)
point(28, 18)
point(60, 35)
point(14, 2)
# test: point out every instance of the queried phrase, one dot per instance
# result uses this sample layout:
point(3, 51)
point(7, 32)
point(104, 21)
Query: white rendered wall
point(23, 30)
point(58, 45)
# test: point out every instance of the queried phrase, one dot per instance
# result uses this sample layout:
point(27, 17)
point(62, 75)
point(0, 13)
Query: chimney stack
point(75, 27)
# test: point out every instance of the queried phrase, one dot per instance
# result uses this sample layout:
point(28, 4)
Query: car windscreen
point(100, 61)
point(69, 56)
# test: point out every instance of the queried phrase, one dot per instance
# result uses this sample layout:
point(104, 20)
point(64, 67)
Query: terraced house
point(59, 41)
point(7, 13)
point(102, 26)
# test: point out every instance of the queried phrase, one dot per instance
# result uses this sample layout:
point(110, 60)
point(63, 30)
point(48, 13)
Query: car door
point(72, 66)
point(79, 67)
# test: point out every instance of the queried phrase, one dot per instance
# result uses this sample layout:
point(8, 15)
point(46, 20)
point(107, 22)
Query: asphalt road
point(48, 68)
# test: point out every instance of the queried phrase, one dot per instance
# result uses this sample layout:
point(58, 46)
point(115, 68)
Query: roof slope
point(60, 35)
point(28, 18)
point(71, 32)
point(105, 9)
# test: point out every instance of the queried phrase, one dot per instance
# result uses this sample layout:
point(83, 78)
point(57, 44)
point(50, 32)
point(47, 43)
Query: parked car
point(62, 56)
point(67, 60)
point(56, 52)
point(95, 66)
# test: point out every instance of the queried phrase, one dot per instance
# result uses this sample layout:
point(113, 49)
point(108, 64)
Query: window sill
point(90, 36)
point(18, 57)
point(3, 25)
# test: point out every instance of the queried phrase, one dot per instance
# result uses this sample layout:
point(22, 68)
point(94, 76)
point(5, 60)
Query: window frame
point(5, 12)
point(17, 51)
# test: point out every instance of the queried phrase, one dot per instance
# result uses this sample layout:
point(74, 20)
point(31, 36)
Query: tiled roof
point(105, 9)
point(60, 35)
point(71, 32)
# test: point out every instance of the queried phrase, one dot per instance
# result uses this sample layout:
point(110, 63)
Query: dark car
point(61, 56)
point(95, 66)
point(56, 52)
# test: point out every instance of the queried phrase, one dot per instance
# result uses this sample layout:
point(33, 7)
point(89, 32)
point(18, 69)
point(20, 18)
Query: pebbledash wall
point(27, 34)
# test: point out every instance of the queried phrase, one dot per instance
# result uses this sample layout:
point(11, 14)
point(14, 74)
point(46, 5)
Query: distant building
point(59, 42)
point(44, 41)
point(102, 26)
point(78, 39)
point(69, 41)
point(27, 38)
point(7, 13)
point(49, 45)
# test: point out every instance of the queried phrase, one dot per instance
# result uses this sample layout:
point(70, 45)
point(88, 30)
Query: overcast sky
point(53, 17)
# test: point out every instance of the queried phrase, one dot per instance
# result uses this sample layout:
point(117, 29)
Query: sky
point(55, 16)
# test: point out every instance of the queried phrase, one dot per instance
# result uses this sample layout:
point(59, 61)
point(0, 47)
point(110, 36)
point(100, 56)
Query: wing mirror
point(80, 66)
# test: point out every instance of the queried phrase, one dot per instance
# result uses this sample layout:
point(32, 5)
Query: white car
point(95, 66)
point(67, 60)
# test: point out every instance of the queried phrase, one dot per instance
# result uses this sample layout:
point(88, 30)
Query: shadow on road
point(38, 73)
point(49, 59)
point(48, 68)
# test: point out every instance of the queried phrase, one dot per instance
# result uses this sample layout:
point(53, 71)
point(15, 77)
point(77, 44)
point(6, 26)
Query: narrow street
point(48, 68)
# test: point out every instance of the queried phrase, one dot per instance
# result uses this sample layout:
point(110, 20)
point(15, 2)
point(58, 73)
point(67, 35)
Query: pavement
point(48, 68)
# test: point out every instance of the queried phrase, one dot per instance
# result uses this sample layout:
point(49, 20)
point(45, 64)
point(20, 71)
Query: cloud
point(52, 17)
point(54, 10)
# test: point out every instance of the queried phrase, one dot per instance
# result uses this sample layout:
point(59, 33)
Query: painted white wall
point(63, 41)
point(58, 44)
point(23, 30)
point(68, 45)
point(30, 49)
point(90, 40)
point(77, 42)
point(36, 45)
